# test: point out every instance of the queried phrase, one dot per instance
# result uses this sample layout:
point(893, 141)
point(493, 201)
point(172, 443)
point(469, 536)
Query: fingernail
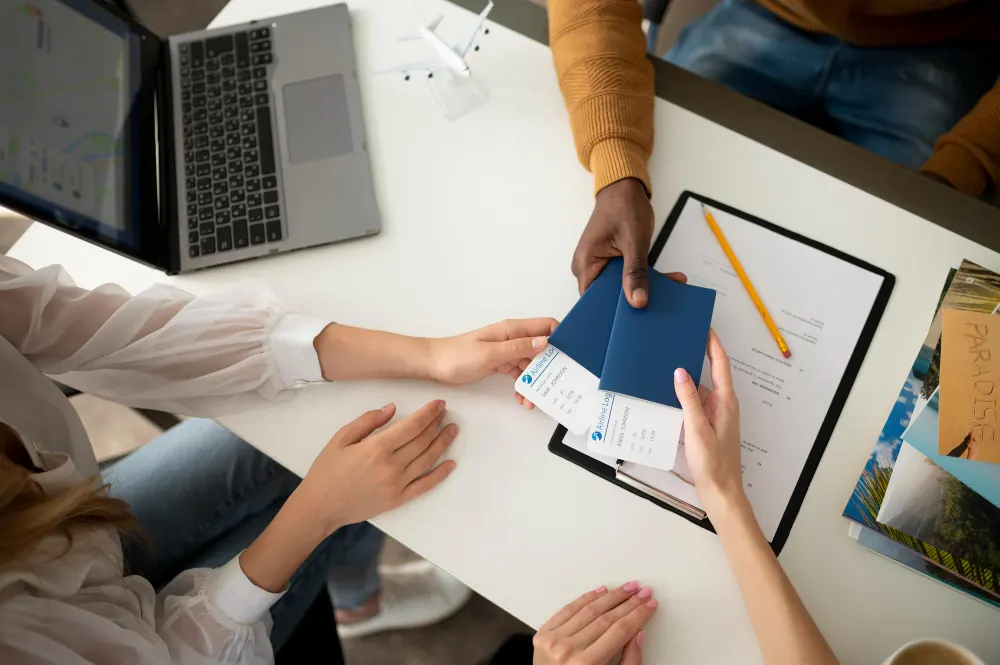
point(645, 593)
point(681, 375)
point(630, 587)
point(539, 342)
point(388, 407)
point(639, 639)
point(601, 590)
point(452, 429)
point(441, 405)
point(639, 296)
point(652, 604)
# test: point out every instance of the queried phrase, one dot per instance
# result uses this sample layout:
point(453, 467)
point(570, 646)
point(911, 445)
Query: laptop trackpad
point(317, 122)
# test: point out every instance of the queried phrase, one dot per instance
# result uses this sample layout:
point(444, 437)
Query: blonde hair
point(28, 515)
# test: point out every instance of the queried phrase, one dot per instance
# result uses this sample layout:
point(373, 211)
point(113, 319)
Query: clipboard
point(692, 513)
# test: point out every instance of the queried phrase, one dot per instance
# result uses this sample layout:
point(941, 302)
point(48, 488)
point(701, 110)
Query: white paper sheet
point(819, 302)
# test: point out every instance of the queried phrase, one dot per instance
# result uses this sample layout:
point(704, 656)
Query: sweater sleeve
point(607, 84)
point(968, 156)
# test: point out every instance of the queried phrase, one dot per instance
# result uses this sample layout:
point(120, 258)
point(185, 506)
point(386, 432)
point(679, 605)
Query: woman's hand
point(596, 627)
point(712, 429)
point(360, 474)
point(502, 348)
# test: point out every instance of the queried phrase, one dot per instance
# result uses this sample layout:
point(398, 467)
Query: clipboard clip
point(659, 495)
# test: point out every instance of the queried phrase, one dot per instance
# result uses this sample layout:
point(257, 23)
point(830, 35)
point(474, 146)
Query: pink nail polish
point(630, 587)
point(640, 638)
point(601, 590)
point(645, 593)
point(681, 375)
point(652, 604)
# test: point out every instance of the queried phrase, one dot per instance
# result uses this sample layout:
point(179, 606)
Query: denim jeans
point(894, 101)
point(201, 495)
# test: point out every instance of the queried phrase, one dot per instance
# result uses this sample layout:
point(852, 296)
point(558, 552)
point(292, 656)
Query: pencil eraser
point(787, 354)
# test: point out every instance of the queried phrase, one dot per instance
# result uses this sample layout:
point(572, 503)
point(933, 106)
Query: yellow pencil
point(768, 321)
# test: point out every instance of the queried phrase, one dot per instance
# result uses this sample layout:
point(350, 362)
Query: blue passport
point(647, 345)
point(584, 332)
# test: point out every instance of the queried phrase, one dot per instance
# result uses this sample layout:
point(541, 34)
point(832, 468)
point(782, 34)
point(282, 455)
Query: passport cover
point(647, 345)
point(584, 332)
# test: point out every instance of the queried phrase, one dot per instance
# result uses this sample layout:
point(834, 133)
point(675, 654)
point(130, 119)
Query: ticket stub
point(635, 430)
point(561, 388)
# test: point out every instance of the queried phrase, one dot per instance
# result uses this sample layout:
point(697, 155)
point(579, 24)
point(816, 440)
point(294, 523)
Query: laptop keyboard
point(230, 178)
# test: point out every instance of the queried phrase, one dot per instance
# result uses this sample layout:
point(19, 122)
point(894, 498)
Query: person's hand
point(362, 473)
point(596, 627)
point(502, 348)
point(712, 429)
point(621, 225)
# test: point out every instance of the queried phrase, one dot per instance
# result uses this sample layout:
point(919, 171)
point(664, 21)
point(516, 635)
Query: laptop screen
point(71, 75)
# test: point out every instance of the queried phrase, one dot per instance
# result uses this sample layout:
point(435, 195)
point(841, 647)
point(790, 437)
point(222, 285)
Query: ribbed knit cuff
point(612, 160)
point(959, 167)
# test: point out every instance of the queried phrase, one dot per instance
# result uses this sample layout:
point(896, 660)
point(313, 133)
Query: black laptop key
point(247, 115)
point(206, 228)
point(217, 132)
point(218, 45)
point(218, 145)
point(193, 237)
point(243, 75)
point(254, 200)
point(246, 88)
point(198, 76)
point(197, 54)
point(233, 138)
point(270, 182)
point(252, 170)
point(230, 110)
point(188, 132)
point(208, 245)
point(222, 203)
point(228, 85)
point(266, 140)
point(203, 170)
point(193, 223)
point(259, 72)
point(261, 59)
point(242, 51)
point(260, 46)
point(247, 129)
point(214, 90)
point(251, 156)
point(235, 181)
point(256, 214)
point(260, 33)
point(249, 143)
point(260, 99)
point(222, 217)
point(191, 183)
point(204, 184)
point(241, 235)
point(236, 168)
point(187, 119)
point(246, 102)
point(192, 196)
point(201, 127)
point(199, 101)
point(271, 196)
point(239, 210)
point(186, 106)
point(233, 152)
point(237, 195)
point(212, 67)
point(257, 234)
point(214, 104)
point(260, 85)
point(274, 230)
point(253, 185)
point(220, 188)
point(200, 114)
point(227, 59)
point(192, 209)
point(203, 154)
point(272, 212)
point(215, 118)
point(205, 198)
point(194, 251)
point(219, 173)
point(225, 238)
point(201, 142)
point(232, 125)
point(228, 74)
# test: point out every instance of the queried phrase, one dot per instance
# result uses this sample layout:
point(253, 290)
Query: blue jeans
point(201, 495)
point(893, 101)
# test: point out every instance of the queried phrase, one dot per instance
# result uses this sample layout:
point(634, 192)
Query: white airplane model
point(449, 58)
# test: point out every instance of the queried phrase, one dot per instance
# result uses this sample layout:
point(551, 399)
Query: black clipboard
point(608, 473)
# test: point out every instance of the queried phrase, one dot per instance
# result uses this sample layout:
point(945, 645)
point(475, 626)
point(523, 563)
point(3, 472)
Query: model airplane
point(449, 58)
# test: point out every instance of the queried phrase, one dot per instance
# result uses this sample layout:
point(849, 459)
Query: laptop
point(189, 152)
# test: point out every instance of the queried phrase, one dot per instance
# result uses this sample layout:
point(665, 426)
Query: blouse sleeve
point(161, 349)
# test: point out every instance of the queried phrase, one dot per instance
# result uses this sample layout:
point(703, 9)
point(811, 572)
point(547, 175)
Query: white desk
point(465, 205)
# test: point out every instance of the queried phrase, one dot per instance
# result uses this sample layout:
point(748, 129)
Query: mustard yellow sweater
point(599, 53)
